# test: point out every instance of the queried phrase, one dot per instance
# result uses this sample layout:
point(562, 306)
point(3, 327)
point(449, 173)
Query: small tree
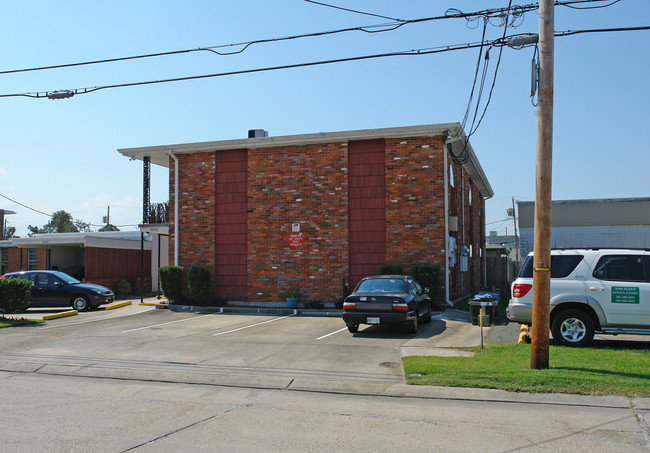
point(198, 280)
point(428, 276)
point(15, 294)
point(170, 281)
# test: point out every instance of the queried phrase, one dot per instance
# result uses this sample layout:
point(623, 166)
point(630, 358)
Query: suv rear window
point(561, 266)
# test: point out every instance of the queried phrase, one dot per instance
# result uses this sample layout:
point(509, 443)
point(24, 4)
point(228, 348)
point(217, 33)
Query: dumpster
point(487, 301)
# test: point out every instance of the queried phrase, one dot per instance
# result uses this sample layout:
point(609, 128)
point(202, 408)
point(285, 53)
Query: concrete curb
point(252, 310)
point(63, 314)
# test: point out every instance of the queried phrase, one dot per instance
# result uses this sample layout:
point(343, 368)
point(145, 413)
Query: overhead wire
point(351, 10)
point(375, 28)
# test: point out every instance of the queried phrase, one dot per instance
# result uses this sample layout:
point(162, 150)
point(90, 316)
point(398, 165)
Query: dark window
point(382, 285)
point(620, 268)
point(561, 266)
point(32, 262)
point(4, 260)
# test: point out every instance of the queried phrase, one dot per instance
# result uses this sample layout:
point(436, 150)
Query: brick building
point(316, 211)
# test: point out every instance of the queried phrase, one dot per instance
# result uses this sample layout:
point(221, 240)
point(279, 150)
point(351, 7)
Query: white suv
point(592, 290)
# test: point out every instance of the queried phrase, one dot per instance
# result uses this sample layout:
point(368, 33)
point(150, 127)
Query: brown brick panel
point(367, 208)
point(231, 179)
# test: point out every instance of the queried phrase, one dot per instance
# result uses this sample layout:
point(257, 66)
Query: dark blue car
point(56, 289)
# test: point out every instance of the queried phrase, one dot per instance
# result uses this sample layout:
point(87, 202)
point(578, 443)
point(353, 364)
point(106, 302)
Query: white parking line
point(96, 319)
point(253, 325)
point(170, 322)
point(331, 333)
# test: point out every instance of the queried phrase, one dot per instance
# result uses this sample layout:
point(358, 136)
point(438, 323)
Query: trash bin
point(489, 302)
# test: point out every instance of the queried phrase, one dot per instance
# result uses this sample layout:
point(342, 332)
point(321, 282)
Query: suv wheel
point(573, 328)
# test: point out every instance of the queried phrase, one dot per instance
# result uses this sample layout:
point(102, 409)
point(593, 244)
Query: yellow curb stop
point(63, 314)
point(118, 305)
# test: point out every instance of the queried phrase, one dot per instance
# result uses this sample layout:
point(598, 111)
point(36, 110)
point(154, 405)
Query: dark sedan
point(387, 299)
point(56, 289)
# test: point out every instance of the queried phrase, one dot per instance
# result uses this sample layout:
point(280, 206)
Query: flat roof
point(159, 154)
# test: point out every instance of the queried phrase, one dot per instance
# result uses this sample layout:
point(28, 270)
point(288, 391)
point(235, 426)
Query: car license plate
point(374, 320)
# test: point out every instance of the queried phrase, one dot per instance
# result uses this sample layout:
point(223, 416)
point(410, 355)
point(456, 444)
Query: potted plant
point(292, 295)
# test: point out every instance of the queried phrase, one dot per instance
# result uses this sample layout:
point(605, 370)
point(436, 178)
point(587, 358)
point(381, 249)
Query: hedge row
point(198, 282)
point(15, 295)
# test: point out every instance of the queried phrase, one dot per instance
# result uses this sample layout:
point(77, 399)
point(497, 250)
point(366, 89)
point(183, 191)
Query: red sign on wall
point(296, 239)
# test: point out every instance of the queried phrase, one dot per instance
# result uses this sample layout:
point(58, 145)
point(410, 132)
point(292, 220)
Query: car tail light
point(349, 306)
point(521, 289)
point(400, 306)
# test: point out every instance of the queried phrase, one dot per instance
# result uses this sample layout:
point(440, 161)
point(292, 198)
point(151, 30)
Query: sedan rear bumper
point(378, 318)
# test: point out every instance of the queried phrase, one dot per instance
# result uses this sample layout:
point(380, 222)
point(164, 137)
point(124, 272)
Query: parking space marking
point(170, 322)
point(253, 325)
point(332, 333)
point(96, 319)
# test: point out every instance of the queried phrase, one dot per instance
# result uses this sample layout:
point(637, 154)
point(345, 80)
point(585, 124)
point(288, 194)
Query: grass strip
point(583, 371)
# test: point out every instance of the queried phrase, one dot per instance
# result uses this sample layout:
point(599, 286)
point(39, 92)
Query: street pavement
point(278, 381)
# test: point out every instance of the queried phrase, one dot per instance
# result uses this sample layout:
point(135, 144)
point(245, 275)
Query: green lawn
point(586, 371)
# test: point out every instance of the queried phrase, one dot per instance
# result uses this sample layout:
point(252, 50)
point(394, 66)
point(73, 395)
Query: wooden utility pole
point(542, 246)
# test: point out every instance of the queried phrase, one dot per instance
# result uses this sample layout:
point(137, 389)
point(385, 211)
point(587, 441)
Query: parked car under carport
point(57, 289)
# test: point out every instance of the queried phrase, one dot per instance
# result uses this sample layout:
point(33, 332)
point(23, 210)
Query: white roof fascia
point(117, 239)
point(159, 155)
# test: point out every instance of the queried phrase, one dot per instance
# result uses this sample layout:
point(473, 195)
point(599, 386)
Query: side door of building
point(621, 286)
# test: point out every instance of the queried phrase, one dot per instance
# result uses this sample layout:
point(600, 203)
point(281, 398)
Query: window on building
point(4, 261)
point(32, 260)
point(451, 174)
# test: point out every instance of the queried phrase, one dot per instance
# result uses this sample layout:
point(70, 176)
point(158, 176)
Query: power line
point(375, 28)
point(25, 206)
point(425, 51)
point(78, 91)
point(352, 10)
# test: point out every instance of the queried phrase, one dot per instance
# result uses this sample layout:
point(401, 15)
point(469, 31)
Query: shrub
point(198, 281)
point(170, 281)
point(15, 294)
point(428, 276)
point(122, 288)
point(391, 269)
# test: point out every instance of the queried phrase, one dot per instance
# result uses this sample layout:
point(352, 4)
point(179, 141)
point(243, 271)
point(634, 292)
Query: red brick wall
point(308, 185)
point(196, 211)
point(305, 185)
point(415, 203)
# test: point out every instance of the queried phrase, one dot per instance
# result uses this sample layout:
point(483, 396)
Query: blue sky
point(62, 154)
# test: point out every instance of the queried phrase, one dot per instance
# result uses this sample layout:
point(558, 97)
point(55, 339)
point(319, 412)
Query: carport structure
point(100, 257)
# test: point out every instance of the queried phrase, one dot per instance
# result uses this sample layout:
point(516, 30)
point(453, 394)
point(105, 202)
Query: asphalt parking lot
point(260, 350)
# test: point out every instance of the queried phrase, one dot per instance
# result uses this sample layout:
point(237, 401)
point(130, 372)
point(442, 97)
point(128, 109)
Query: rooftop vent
point(256, 133)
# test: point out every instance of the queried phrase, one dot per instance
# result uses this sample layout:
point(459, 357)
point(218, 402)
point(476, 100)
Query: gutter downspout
point(446, 183)
point(176, 191)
